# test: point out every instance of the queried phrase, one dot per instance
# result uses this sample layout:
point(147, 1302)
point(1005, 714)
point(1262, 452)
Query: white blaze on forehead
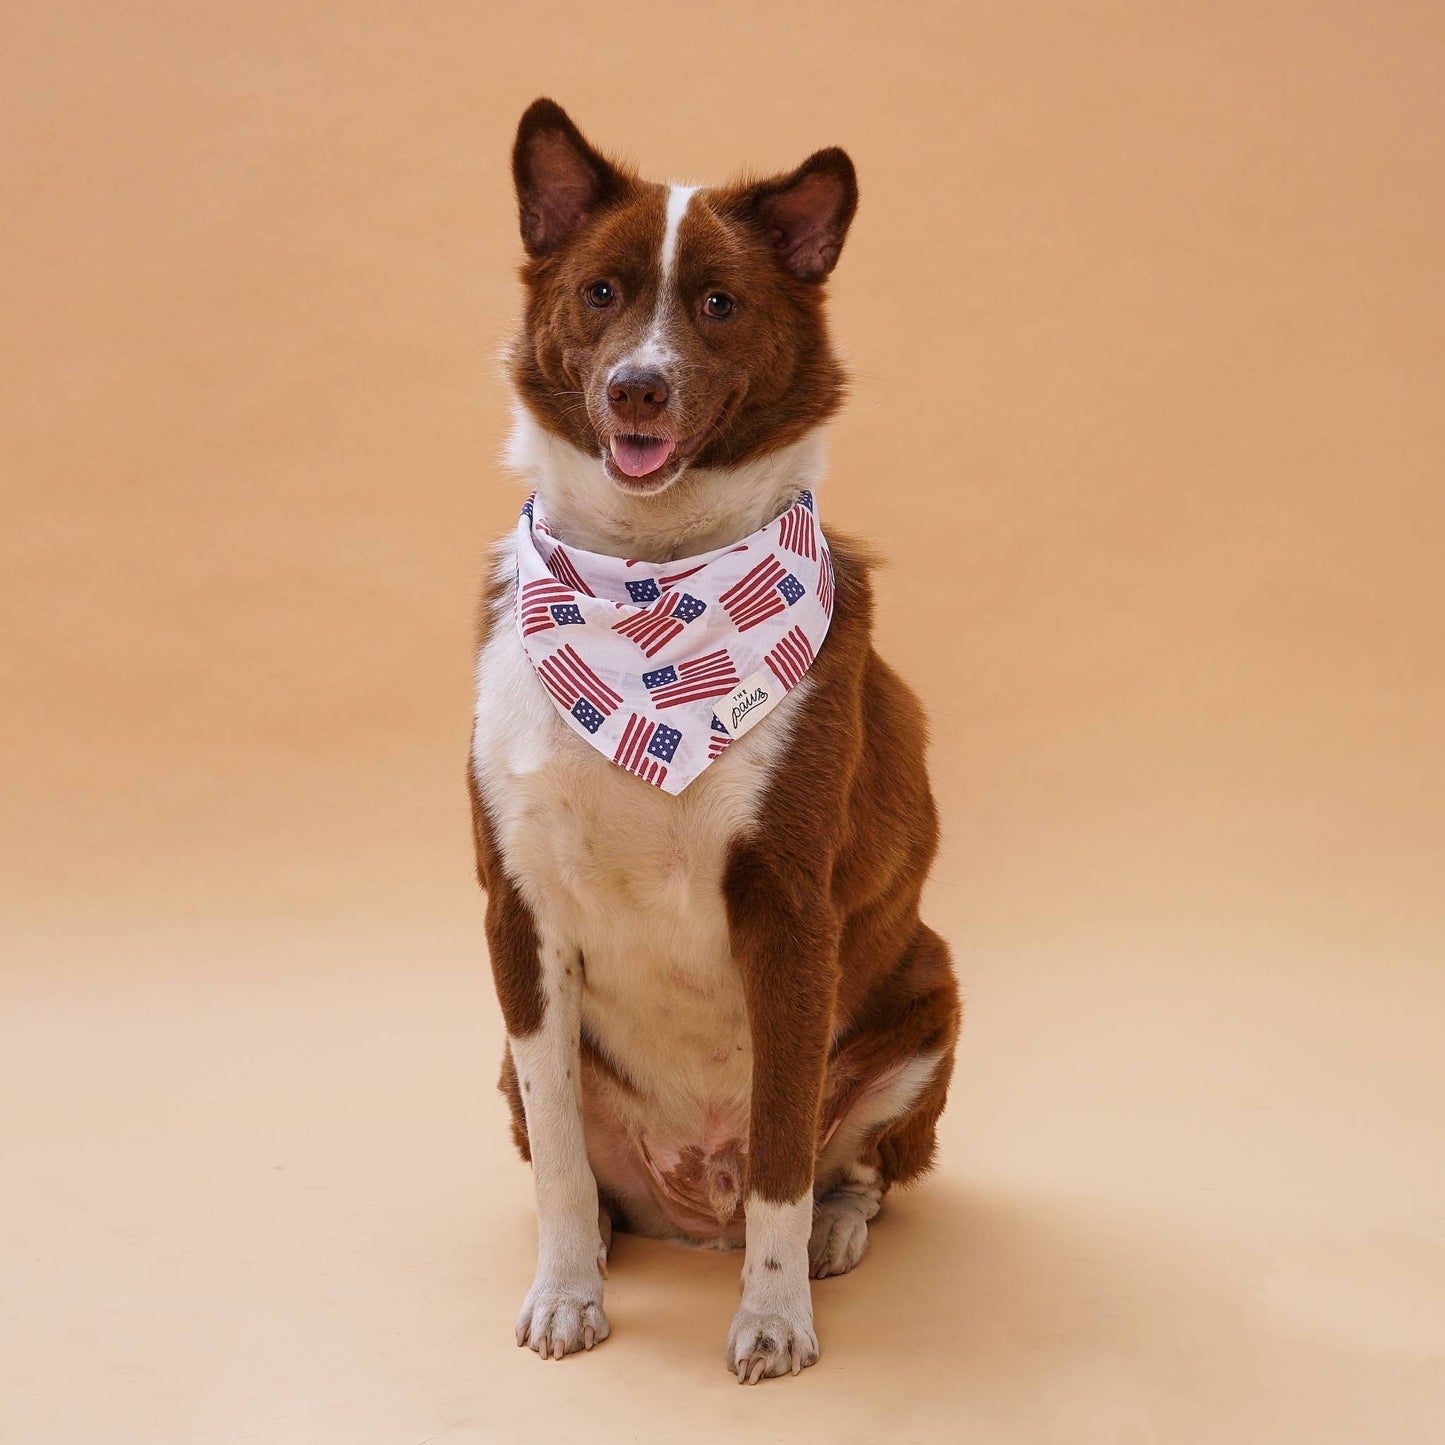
point(678, 200)
point(654, 350)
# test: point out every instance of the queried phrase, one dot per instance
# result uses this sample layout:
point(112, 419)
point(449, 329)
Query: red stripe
point(719, 673)
point(755, 597)
point(561, 565)
point(640, 740)
point(759, 612)
point(719, 676)
point(791, 658)
point(679, 576)
point(782, 663)
point(641, 736)
point(796, 533)
point(653, 638)
point(714, 674)
point(653, 612)
point(635, 737)
point(558, 684)
point(651, 628)
point(767, 572)
point(632, 750)
point(554, 685)
point(536, 600)
point(664, 638)
point(569, 667)
point(707, 677)
point(764, 605)
point(636, 627)
point(705, 668)
point(709, 661)
point(755, 583)
point(620, 756)
point(702, 692)
point(590, 686)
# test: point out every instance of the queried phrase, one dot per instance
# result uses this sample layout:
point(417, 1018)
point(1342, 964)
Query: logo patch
point(747, 704)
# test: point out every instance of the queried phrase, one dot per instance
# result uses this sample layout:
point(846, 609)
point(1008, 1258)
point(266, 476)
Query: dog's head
point(669, 326)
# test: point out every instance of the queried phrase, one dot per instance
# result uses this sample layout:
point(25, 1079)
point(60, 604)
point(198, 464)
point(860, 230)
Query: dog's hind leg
point(887, 1088)
point(851, 1182)
point(840, 1221)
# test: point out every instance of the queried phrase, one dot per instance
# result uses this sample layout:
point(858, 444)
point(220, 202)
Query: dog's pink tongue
point(637, 456)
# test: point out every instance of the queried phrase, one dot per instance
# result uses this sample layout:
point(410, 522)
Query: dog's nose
point(637, 395)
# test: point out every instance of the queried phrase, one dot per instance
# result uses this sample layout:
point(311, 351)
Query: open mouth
point(640, 462)
point(639, 456)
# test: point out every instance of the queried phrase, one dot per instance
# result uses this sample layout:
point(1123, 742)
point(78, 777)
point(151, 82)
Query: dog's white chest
point(631, 878)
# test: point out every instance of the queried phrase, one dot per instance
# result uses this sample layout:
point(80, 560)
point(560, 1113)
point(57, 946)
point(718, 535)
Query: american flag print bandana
point(660, 666)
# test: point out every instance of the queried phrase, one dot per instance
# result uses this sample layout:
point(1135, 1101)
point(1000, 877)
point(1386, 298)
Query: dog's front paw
point(559, 1318)
point(762, 1345)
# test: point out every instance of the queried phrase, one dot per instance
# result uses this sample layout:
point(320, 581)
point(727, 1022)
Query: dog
point(726, 1023)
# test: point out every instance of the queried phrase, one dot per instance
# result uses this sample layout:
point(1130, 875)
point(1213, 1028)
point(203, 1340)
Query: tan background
point(1144, 305)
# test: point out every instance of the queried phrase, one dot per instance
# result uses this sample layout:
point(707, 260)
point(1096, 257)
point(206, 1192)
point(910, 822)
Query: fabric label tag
point(748, 703)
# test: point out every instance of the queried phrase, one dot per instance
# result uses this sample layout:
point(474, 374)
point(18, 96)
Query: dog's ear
point(805, 215)
point(561, 180)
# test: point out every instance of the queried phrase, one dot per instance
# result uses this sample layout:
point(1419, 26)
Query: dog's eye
point(600, 295)
point(718, 305)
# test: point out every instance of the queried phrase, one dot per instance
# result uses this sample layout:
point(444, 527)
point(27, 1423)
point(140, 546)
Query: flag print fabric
point(638, 655)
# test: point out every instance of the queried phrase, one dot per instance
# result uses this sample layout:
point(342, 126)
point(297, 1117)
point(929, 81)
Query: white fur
point(678, 200)
point(704, 509)
point(654, 351)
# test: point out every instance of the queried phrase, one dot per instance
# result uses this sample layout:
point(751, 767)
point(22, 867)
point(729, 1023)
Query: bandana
point(661, 665)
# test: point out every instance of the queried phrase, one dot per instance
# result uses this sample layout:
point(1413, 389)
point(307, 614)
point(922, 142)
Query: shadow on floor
point(1054, 1311)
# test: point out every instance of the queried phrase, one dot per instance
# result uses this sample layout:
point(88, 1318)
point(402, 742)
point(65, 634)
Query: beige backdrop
point(1144, 307)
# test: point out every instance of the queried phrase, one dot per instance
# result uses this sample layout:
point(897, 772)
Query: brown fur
point(858, 966)
point(511, 933)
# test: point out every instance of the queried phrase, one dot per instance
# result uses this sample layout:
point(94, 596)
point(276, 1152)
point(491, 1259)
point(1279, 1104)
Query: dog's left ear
point(806, 215)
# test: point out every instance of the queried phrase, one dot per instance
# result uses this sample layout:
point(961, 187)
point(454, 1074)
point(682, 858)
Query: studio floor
point(258, 1187)
point(1144, 314)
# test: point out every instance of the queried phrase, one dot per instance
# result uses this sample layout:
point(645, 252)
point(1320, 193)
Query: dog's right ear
point(561, 180)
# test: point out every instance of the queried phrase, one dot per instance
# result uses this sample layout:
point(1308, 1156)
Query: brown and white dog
point(726, 1023)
